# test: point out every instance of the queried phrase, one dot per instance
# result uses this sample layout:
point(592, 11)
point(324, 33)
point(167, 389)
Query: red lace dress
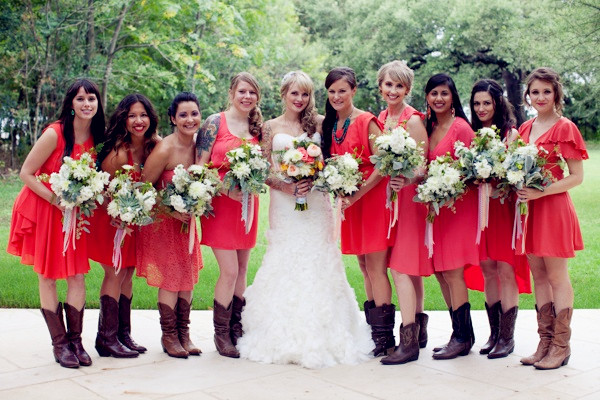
point(409, 255)
point(454, 234)
point(36, 225)
point(226, 230)
point(365, 228)
point(162, 251)
point(102, 233)
point(552, 228)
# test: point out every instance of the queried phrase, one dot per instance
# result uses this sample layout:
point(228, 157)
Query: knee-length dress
point(552, 228)
point(408, 254)
point(36, 225)
point(364, 229)
point(162, 251)
point(226, 229)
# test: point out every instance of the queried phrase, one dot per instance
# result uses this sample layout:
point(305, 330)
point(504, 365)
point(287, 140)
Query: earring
point(428, 112)
point(72, 112)
point(452, 112)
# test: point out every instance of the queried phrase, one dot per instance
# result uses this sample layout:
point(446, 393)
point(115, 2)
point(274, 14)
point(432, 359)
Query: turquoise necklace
point(340, 139)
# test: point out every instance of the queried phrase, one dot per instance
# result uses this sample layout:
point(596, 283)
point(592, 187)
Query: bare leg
point(377, 270)
point(509, 290)
point(406, 297)
point(127, 282)
point(241, 281)
point(362, 263)
point(558, 277)
point(228, 275)
point(168, 297)
point(76, 291)
point(444, 288)
point(186, 295)
point(491, 285)
point(417, 282)
point(48, 296)
point(457, 286)
point(111, 284)
point(542, 289)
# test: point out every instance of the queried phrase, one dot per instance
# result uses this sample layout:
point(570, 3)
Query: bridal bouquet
point(78, 186)
point(248, 170)
point(303, 160)
point(191, 192)
point(398, 154)
point(480, 163)
point(341, 175)
point(441, 188)
point(131, 202)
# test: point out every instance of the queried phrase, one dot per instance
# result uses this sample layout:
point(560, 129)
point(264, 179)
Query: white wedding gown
point(300, 308)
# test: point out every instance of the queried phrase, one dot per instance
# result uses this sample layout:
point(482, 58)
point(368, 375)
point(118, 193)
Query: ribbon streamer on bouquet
point(392, 206)
point(484, 190)
point(247, 210)
point(519, 226)
point(192, 234)
point(117, 256)
point(69, 228)
point(429, 237)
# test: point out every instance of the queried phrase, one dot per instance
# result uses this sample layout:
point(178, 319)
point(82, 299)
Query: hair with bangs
point(399, 72)
point(308, 116)
point(547, 75)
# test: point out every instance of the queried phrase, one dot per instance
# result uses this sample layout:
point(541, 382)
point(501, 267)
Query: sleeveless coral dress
point(162, 251)
point(409, 255)
point(102, 234)
point(552, 225)
point(226, 230)
point(454, 234)
point(36, 225)
point(365, 227)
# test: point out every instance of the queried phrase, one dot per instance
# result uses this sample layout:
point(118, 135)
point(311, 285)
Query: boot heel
point(566, 361)
point(465, 352)
point(102, 352)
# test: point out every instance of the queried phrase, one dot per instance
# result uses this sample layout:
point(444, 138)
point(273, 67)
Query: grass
point(18, 283)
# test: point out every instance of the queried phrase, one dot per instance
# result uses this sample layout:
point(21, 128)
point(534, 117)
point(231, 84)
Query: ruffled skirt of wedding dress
point(300, 308)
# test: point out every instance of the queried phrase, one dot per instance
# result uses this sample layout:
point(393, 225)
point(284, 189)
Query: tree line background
point(162, 47)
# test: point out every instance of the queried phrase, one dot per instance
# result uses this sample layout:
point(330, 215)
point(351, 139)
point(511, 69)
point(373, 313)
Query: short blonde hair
point(398, 71)
point(547, 75)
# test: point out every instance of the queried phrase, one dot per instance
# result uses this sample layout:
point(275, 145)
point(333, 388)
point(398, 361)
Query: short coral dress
point(552, 228)
point(162, 251)
point(226, 229)
point(36, 225)
point(102, 234)
point(409, 255)
point(454, 233)
point(365, 227)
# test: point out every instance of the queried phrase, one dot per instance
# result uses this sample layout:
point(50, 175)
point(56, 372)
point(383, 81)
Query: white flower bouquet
point(248, 171)
point(341, 176)
point(78, 187)
point(191, 192)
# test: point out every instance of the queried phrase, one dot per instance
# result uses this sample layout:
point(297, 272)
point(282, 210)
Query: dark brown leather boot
point(438, 348)
point(493, 314)
point(382, 328)
point(367, 306)
point(422, 319)
point(124, 332)
point(107, 343)
point(408, 349)
point(235, 325)
point(545, 320)
point(221, 318)
point(461, 340)
point(170, 336)
point(183, 321)
point(60, 344)
point(560, 350)
point(74, 328)
point(506, 343)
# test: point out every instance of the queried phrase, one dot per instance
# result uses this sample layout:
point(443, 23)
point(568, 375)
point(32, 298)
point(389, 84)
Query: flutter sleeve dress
point(36, 225)
point(552, 225)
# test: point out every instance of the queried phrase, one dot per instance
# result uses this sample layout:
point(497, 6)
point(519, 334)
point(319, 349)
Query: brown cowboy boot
point(367, 306)
point(107, 343)
point(506, 343)
point(493, 314)
point(462, 338)
point(408, 348)
point(545, 320)
point(60, 344)
point(74, 328)
point(170, 335)
point(182, 311)
point(124, 332)
point(421, 319)
point(438, 348)
point(235, 324)
point(221, 318)
point(560, 350)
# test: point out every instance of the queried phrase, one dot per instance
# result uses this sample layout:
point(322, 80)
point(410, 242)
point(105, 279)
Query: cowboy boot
point(60, 344)
point(221, 319)
point(408, 348)
point(545, 320)
point(367, 306)
point(461, 340)
point(107, 343)
point(183, 320)
point(493, 314)
point(235, 324)
point(421, 319)
point(124, 331)
point(382, 328)
point(438, 348)
point(74, 328)
point(170, 336)
point(560, 350)
point(506, 343)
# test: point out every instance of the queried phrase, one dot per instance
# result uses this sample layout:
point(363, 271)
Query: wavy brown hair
point(255, 119)
point(547, 75)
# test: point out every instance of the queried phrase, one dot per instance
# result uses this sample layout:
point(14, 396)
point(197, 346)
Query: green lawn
point(18, 283)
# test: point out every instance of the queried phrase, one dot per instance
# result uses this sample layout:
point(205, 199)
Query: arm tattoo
point(207, 134)
point(266, 143)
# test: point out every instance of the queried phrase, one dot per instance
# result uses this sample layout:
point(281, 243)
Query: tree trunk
point(111, 52)
point(90, 38)
point(512, 80)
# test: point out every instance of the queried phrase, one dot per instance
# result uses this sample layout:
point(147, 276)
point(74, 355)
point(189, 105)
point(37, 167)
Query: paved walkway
point(27, 368)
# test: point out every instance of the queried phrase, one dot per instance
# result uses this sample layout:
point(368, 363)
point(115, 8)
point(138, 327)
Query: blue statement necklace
point(340, 139)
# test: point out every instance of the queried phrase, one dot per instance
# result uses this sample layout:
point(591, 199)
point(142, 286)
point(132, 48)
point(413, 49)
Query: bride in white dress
point(300, 308)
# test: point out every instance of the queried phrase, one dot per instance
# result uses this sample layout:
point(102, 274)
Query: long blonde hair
point(308, 116)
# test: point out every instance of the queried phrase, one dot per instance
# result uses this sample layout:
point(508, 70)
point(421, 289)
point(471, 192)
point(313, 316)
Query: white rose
point(112, 209)
point(515, 177)
point(85, 194)
point(241, 170)
point(127, 217)
point(177, 203)
point(196, 190)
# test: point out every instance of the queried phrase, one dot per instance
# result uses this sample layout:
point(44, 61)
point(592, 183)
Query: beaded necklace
point(340, 139)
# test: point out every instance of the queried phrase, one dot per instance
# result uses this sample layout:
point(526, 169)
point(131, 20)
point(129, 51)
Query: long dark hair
point(504, 117)
point(66, 118)
point(181, 98)
point(333, 76)
point(432, 83)
point(117, 133)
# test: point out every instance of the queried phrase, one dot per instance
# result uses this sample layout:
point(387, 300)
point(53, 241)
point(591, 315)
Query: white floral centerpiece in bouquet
point(397, 154)
point(482, 162)
point(248, 171)
point(191, 192)
point(78, 187)
point(441, 188)
point(131, 202)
